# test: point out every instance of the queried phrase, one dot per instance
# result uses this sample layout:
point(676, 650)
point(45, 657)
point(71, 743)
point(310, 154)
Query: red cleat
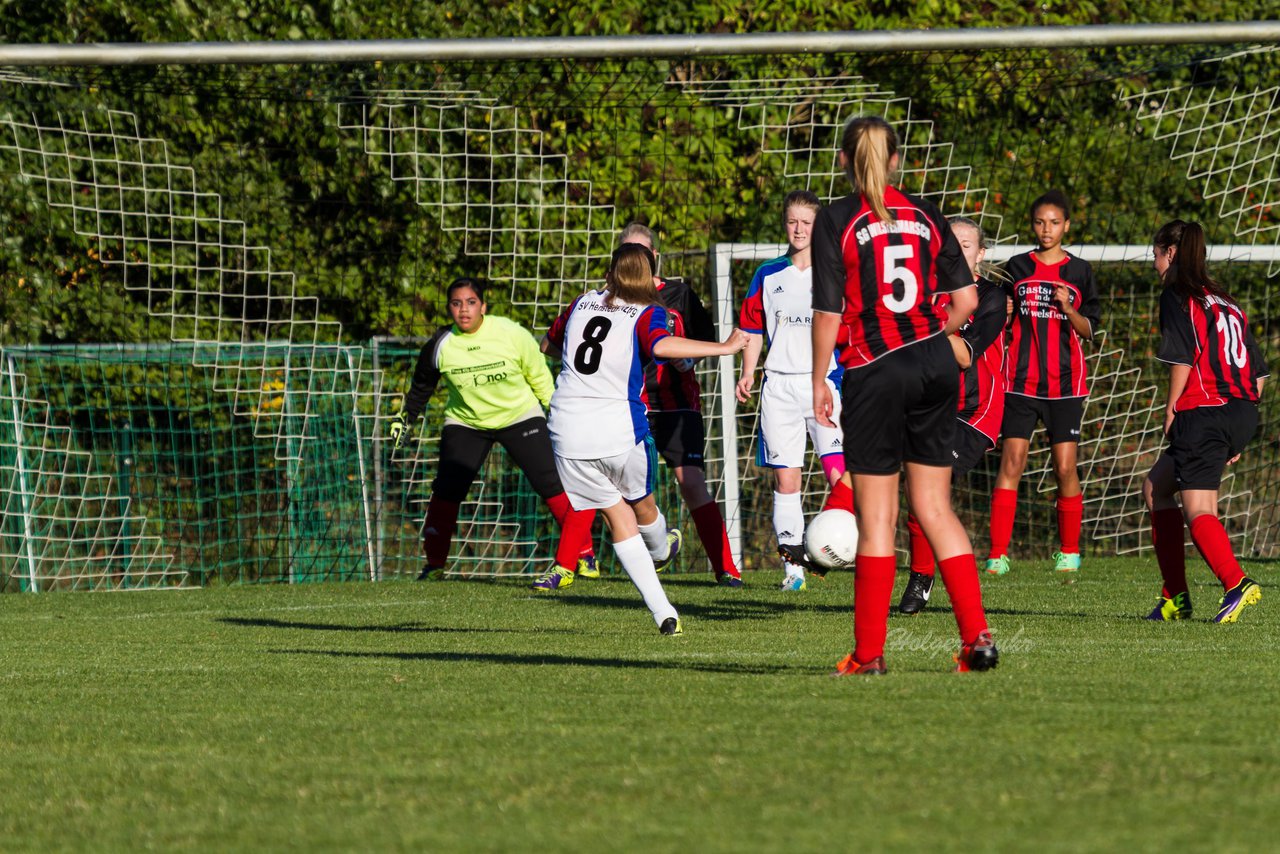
point(850, 666)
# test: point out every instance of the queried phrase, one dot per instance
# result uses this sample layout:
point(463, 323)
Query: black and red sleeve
point(1177, 332)
point(829, 272)
point(426, 376)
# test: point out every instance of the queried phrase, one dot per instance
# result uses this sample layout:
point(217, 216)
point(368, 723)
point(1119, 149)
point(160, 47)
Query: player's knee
point(1066, 472)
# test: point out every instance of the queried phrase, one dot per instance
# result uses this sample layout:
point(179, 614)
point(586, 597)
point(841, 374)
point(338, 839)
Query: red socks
point(921, 552)
point(1211, 539)
point(575, 532)
point(960, 576)
point(840, 497)
point(561, 508)
point(1171, 553)
point(1070, 516)
point(715, 538)
point(872, 595)
point(1004, 506)
point(437, 533)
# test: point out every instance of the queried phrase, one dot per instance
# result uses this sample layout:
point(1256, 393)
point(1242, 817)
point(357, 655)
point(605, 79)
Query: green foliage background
point(266, 140)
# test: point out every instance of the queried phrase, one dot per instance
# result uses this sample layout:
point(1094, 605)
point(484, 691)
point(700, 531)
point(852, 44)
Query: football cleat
point(1246, 593)
point(556, 578)
point(793, 554)
point(675, 540)
point(793, 583)
point(431, 573)
point(1066, 561)
point(1167, 610)
point(587, 567)
point(979, 655)
point(850, 666)
point(671, 627)
point(727, 579)
point(998, 565)
point(914, 598)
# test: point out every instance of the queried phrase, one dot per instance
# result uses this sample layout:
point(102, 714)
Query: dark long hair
point(1188, 274)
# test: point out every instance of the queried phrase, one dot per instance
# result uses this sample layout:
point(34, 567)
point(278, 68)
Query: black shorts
point(463, 451)
point(901, 408)
point(970, 445)
point(1061, 416)
point(679, 437)
point(1201, 441)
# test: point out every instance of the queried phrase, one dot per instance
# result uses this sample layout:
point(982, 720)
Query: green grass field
point(473, 716)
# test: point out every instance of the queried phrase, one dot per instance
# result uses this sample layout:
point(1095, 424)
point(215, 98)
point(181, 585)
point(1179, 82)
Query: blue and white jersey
point(779, 305)
point(598, 410)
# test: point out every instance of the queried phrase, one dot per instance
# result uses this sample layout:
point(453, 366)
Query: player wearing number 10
point(599, 425)
point(1215, 380)
point(879, 257)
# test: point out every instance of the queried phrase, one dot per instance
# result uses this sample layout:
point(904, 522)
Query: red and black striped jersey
point(881, 277)
point(1212, 337)
point(1046, 357)
point(667, 388)
point(981, 403)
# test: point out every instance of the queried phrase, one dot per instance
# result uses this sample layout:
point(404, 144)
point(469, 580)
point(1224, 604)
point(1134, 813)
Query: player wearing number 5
point(879, 258)
point(498, 384)
point(1215, 381)
point(599, 425)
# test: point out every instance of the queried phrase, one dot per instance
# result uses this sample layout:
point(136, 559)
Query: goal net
point(216, 279)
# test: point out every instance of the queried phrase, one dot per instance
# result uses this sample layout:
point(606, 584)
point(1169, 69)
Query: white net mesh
point(524, 172)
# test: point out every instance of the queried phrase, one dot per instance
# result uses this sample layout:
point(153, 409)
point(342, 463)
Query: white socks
point(655, 538)
point(788, 524)
point(788, 518)
point(634, 557)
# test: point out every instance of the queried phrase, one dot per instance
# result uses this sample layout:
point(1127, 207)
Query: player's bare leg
point(709, 523)
point(1160, 492)
point(788, 526)
point(1004, 502)
point(1070, 506)
point(626, 526)
point(929, 494)
point(877, 512)
point(1200, 506)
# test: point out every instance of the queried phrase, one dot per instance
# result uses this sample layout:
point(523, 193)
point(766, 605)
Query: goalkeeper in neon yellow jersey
point(499, 385)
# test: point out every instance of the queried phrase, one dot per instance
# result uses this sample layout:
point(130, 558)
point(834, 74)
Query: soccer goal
point(216, 277)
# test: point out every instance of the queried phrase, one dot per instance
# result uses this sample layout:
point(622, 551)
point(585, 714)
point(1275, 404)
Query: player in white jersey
point(599, 426)
point(778, 310)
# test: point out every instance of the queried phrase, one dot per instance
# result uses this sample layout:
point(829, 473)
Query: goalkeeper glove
point(400, 431)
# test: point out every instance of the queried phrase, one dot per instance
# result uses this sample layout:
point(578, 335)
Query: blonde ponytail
point(869, 144)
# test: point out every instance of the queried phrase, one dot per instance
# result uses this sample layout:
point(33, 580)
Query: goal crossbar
point(629, 47)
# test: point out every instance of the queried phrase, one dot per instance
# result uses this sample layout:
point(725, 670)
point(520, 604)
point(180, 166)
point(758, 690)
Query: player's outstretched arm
point(674, 347)
point(750, 358)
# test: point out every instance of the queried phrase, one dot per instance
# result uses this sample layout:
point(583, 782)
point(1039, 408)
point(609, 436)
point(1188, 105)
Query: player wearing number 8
point(879, 257)
point(599, 424)
point(1216, 377)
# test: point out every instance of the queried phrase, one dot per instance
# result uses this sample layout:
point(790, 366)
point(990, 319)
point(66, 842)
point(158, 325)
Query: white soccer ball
point(831, 540)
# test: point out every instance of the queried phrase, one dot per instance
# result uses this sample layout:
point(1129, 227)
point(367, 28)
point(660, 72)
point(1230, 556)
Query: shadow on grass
point(267, 623)
point(544, 659)
point(724, 610)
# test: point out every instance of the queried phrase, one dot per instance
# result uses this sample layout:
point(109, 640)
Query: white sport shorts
point(786, 416)
point(596, 484)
